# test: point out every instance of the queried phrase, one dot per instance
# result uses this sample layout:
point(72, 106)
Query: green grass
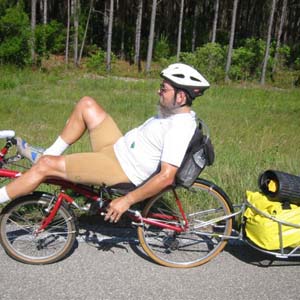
point(252, 128)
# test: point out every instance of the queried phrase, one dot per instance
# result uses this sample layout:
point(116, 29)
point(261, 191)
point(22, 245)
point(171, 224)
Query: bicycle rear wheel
point(207, 209)
point(19, 221)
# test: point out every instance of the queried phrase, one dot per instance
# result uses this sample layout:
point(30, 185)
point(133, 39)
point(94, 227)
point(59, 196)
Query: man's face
point(167, 95)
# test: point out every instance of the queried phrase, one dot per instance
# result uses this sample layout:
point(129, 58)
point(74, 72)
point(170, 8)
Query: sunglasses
point(163, 89)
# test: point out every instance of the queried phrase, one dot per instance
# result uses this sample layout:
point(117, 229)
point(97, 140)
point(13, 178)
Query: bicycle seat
point(122, 188)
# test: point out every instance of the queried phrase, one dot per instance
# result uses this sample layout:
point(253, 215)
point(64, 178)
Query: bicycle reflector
point(280, 185)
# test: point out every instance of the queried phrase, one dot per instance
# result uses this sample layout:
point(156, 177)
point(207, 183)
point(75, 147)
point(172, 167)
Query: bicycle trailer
point(269, 224)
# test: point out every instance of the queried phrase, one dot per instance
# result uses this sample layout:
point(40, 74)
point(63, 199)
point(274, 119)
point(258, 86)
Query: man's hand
point(150, 188)
point(116, 208)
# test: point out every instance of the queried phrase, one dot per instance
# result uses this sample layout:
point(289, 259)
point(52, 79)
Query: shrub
point(49, 38)
point(161, 49)
point(14, 36)
point(257, 47)
point(188, 58)
point(164, 62)
point(97, 61)
point(242, 59)
point(210, 60)
point(284, 53)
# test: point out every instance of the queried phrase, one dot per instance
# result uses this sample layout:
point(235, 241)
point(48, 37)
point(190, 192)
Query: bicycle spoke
point(22, 240)
point(201, 238)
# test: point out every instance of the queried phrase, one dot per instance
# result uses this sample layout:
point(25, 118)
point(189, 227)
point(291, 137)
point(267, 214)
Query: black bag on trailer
point(280, 185)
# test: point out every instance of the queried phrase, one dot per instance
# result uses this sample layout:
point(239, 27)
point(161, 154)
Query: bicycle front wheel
point(19, 222)
point(207, 210)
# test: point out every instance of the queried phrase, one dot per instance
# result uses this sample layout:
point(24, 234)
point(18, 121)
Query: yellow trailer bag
point(264, 231)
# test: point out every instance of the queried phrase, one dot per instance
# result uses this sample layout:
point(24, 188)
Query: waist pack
point(269, 225)
point(199, 154)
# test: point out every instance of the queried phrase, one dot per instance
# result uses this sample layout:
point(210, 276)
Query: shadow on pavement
point(105, 236)
point(249, 255)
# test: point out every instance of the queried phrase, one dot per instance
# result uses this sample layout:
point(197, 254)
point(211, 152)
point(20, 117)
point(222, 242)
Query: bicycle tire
point(204, 202)
point(18, 222)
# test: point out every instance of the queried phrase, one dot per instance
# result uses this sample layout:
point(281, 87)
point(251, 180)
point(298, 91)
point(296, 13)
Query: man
point(159, 143)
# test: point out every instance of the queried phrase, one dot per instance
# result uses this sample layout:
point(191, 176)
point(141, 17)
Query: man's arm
point(153, 186)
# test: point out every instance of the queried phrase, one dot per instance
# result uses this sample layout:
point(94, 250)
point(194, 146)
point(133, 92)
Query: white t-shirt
point(142, 149)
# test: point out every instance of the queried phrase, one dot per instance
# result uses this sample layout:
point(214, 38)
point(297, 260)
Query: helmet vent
point(195, 79)
point(179, 75)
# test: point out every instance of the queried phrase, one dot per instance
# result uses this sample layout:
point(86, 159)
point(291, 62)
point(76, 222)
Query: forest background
point(226, 40)
point(54, 52)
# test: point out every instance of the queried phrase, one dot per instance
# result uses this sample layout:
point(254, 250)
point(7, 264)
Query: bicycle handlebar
point(7, 134)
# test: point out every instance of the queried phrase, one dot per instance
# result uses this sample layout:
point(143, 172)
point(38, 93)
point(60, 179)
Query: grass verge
point(252, 128)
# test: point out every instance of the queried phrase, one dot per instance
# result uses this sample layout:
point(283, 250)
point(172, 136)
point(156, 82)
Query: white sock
point(3, 195)
point(57, 148)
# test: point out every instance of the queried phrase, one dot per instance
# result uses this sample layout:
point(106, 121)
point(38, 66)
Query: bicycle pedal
point(86, 207)
point(94, 208)
point(136, 224)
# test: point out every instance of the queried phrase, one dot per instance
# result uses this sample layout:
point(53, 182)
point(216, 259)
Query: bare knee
point(88, 102)
point(43, 166)
point(49, 165)
point(92, 112)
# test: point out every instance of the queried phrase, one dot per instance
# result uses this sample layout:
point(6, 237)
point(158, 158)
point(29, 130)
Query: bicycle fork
point(53, 211)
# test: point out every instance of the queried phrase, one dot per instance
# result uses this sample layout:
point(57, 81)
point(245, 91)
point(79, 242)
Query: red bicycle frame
point(155, 219)
point(88, 192)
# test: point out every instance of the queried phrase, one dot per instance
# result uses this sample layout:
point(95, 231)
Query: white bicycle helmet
point(184, 77)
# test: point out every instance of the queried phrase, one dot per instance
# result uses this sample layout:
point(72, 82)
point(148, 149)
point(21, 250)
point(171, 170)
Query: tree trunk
point(68, 32)
point(195, 22)
point(45, 12)
point(278, 43)
point(214, 31)
point(105, 26)
point(33, 23)
point(85, 32)
point(151, 36)
point(232, 32)
point(265, 62)
point(109, 37)
point(180, 30)
point(76, 25)
point(138, 30)
point(122, 50)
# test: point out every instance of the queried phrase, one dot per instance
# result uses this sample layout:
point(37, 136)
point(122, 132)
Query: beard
point(165, 112)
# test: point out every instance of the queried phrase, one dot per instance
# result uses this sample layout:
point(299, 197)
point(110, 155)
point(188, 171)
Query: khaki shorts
point(100, 166)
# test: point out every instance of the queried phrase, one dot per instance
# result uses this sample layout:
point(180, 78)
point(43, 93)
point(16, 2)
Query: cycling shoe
point(30, 152)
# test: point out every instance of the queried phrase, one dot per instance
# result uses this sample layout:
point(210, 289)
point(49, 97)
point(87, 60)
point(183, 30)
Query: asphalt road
point(117, 269)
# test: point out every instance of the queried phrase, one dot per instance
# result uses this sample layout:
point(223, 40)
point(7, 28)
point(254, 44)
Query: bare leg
point(47, 166)
point(87, 114)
